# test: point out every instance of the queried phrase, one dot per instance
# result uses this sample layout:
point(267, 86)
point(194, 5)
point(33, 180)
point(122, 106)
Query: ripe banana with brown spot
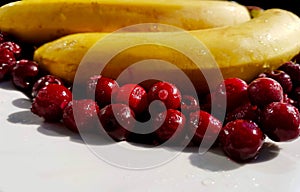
point(39, 21)
point(242, 50)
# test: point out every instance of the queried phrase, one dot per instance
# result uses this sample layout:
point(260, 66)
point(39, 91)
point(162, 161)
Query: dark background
point(290, 5)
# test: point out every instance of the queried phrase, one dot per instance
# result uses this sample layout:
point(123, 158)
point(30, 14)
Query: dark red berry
point(11, 46)
point(189, 104)
point(202, 124)
point(50, 102)
point(167, 93)
point(263, 91)
point(117, 120)
point(24, 74)
point(6, 56)
point(101, 89)
point(44, 81)
point(234, 90)
point(134, 95)
point(280, 121)
point(245, 111)
point(241, 140)
point(168, 125)
point(5, 70)
point(293, 70)
point(86, 115)
point(281, 77)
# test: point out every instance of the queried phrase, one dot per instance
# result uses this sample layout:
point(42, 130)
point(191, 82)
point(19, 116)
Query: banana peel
point(40, 21)
point(243, 50)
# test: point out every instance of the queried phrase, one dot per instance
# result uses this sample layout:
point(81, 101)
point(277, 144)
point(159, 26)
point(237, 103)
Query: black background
point(290, 5)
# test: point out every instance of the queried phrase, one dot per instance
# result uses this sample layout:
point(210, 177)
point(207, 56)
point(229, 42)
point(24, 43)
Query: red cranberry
point(241, 140)
point(3, 37)
point(189, 104)
point(117, 120)
point(169, 124)
point(134, 95)
point(264, 90)
point(88, 115)
point(293, 70)
point(5, 70)
point(6, 56)
point(11, 46)
point(24, 73)
point(234, 90)
point(245, 111)
point(280, 121)
point(281, 77)
point(101, 88)
point(50, 102)
point(44, 81)
point(167, 93)
point(202, 124)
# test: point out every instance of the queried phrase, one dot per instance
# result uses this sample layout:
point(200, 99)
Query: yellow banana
point(39, 21)
point(242, 50)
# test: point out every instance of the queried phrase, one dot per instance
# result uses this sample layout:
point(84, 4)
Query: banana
point(39, 21)
point(242, 50)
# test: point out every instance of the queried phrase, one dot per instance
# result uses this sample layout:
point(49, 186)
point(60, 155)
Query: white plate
point(37, 156)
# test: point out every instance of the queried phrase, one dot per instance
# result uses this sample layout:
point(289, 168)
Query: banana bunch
point(40, 21)
point(242, 50)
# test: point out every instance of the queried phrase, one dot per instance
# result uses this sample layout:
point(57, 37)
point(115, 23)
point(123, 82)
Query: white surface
point(36, 156)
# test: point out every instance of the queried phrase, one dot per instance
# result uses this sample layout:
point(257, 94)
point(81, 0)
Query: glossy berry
point(44, 81)
point(167, 93)
point(168, 125)
point(246, 111)
point(202, 124)
point(12, 46)
point(86, 115)
point(189, 104)
point(7, 61)
point(293, 70)
point(280, 121)
point(241, 140)
point(50, 102)
point(3, 37)
point(281, 77)
point(263, 91)
point(101, 89)
point(117, 120)
point(233, 91)
point(133, 95)
point(24, 74)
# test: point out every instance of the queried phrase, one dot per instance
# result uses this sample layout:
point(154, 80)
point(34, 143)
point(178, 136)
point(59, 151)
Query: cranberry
point(134, 95)
point(117, 120)
point(280, 121)
point(245, 111)
point(241, 140)
point(189, 104)
point(5, 70)
point(101, 88)
point(24, 74)
point(264, 90)
point(11, 46)
point(50, 102)
point(3, 37)
point(88, 115)
point(167, 93)
point(202, 124)
point(293, 70)
point(169, 124)
point(281, 77)
point(234, 90)
point(44, 81)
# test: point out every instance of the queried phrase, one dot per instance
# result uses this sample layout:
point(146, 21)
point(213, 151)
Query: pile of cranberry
point(265, 107)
